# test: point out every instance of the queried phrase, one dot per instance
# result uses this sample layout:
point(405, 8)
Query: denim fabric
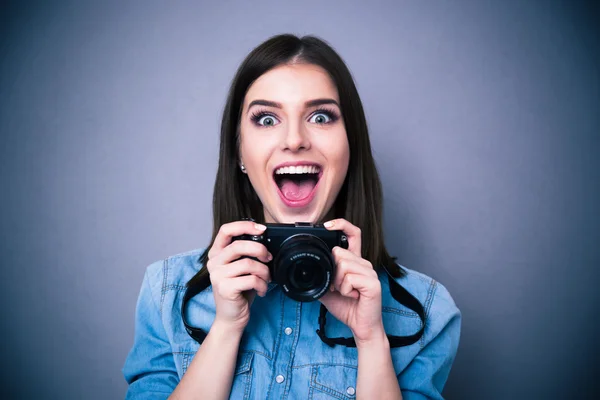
point(280, 340)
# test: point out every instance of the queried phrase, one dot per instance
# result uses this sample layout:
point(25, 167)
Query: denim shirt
point(280, 354)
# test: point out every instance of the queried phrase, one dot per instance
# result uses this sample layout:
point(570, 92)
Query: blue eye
point(323, 117)
point(263, 119)
point(320, 118)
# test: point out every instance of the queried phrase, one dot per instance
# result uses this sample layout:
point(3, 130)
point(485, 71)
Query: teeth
point(302, 169)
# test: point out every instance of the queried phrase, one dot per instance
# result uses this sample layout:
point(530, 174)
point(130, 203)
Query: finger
point(352, 232)
point(353, 285)
point(237, 228)
point(241, 248)
point(340, 253)
point(245, 266)
point(335, 301)
point(347, 262)
point(232, 288)
point(347, 289)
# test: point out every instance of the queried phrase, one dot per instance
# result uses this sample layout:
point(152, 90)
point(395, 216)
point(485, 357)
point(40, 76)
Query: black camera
point(302, 261)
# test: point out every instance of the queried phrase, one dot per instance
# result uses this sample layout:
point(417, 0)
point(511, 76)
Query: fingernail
point(269, 257)
point(328, 224)
point(260, 227)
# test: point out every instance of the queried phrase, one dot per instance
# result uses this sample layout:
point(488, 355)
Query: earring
point(243, 168)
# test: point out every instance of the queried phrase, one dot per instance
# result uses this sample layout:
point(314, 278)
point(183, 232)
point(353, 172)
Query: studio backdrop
point(484, 122)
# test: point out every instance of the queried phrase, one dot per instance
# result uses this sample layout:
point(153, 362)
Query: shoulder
point(173, 272)
point(438, 298)
point(159, 330)
point(439, 306)
point(432, 294)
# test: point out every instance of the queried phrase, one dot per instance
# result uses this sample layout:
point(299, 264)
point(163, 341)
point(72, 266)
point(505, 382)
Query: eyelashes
point(260, 117)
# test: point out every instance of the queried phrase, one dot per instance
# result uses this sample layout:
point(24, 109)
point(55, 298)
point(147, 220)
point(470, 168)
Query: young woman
point(294, 148)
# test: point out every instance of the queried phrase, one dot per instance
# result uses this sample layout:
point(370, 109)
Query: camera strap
point(399, 293)
point(402, 296)
point(196, 333)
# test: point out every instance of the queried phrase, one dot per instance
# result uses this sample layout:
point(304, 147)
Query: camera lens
point(304, 267)
point(305, 274)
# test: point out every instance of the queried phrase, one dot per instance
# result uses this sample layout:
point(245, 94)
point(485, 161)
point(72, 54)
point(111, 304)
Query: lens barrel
point(304, 267)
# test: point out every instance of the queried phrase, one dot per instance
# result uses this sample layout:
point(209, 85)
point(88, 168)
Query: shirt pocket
point(242, 378)
point(244, 362)
point(331, 381)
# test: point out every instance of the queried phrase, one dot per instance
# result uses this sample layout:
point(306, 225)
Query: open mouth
point(297, 184)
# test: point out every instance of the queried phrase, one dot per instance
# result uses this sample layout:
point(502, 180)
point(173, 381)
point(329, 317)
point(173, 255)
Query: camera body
point(302, 261)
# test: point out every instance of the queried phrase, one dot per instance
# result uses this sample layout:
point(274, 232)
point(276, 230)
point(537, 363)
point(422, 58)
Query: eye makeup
point(257, 115)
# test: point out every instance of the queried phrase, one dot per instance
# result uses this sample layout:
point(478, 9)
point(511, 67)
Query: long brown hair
point(360, 200)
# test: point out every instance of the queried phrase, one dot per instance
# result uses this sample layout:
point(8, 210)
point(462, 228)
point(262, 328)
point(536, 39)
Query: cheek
point(255, 159)
point(250, 150)
point(255, 152)
point(339, 152)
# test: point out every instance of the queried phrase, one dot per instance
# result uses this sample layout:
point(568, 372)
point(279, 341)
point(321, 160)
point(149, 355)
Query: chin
point(283, 216)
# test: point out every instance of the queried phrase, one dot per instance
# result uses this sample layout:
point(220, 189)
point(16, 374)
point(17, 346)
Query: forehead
point(291, 84)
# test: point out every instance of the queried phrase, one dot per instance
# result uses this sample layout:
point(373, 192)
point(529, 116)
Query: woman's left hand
point(355, 299)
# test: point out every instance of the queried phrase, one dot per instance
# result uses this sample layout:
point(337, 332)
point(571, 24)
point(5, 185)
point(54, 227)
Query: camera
point(302, 261)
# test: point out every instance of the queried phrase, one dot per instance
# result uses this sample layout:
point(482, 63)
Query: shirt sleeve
point(427, 373)
point(149, 368)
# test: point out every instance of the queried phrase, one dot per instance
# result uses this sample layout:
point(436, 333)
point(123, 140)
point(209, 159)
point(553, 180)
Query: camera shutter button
point(344, 240)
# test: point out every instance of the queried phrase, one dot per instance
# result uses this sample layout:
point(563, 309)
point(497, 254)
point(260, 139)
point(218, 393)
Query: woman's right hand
point(235, 280)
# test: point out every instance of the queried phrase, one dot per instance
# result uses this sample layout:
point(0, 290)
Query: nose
point(296, 137)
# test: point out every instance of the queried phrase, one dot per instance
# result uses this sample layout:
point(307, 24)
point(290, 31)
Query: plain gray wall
point(484, 119)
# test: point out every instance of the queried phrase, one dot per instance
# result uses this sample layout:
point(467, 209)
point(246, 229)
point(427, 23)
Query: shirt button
point(350, 391)
point(279, 379)
point(288, 331)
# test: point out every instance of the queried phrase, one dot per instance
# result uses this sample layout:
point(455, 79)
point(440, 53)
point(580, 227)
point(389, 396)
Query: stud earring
point(243, 168)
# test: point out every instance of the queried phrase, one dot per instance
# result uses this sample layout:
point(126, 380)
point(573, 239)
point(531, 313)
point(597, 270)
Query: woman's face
point(293, 143)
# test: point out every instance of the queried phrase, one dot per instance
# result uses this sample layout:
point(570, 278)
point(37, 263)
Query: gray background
point(484, 119)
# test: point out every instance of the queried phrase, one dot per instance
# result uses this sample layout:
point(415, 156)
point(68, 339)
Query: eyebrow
point(310, 103)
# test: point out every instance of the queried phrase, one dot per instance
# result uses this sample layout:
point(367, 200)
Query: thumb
point(335, 303)
point(329, 299)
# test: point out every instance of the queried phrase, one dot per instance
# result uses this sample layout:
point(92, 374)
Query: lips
point(297, 182)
